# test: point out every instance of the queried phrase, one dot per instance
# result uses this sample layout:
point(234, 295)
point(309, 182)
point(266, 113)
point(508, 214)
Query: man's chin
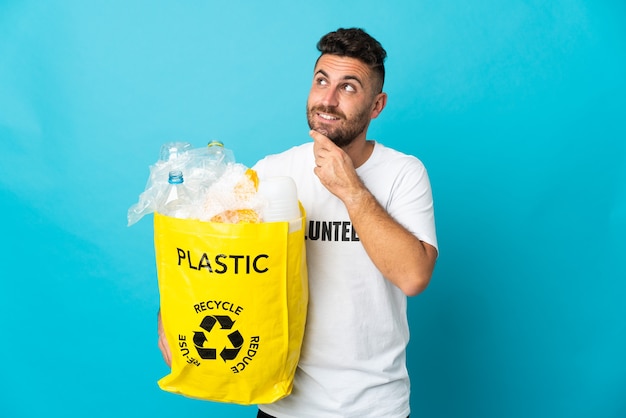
point(328, 135)
point(322, 131)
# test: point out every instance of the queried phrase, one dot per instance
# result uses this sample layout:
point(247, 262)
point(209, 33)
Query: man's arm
point(163, 346)
point(399, 255)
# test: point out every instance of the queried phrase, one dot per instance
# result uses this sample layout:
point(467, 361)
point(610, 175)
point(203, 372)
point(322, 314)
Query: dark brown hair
point(355, 43)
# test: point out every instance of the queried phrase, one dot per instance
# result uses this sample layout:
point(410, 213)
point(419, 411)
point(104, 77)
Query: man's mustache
point(328, 110)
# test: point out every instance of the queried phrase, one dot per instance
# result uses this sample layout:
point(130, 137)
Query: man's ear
point(379, 104)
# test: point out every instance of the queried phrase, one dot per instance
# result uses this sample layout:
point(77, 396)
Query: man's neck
point(359, 151)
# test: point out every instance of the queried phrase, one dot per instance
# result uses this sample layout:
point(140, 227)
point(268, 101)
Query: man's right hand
point(163, 346)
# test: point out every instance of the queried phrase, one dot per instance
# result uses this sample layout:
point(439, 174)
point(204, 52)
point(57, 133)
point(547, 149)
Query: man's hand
point(163, 346)
point(335, 168)
point(400, 256)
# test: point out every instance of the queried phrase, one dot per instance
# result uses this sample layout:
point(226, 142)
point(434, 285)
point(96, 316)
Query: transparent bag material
point(213, 187)
point(201, 167)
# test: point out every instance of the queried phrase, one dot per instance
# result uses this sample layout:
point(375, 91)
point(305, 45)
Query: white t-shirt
point(354, 353)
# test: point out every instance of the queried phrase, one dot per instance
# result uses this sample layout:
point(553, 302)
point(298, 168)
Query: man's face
point(341, 100)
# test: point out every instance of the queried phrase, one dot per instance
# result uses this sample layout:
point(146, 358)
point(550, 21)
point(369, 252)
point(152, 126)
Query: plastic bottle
point(177, 201)
point(207, 164)
point(216, 151)
point(172, 150)
point(217, 155)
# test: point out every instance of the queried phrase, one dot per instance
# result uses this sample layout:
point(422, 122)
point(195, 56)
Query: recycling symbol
point(202, 343)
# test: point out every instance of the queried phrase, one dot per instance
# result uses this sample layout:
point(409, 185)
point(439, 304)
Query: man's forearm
point(399, 255)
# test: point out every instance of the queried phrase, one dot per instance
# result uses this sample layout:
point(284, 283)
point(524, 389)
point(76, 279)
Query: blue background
point(517, 108)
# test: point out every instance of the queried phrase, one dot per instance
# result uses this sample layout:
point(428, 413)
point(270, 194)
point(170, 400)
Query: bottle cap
point(175, 177)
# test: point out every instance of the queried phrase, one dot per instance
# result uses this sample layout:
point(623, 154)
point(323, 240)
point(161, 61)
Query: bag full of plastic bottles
point(232, 277)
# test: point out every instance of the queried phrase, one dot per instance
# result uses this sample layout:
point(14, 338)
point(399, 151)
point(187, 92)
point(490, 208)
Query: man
point(383, 247)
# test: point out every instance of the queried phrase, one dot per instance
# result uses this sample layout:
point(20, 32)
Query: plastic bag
point(233, 306)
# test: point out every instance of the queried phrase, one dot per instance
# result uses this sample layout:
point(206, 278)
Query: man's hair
point(355, 43)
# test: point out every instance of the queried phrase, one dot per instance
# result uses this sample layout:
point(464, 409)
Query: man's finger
point(319, 138)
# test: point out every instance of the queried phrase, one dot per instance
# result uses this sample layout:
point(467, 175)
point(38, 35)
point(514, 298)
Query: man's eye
point(349, 88)
point(322, 81)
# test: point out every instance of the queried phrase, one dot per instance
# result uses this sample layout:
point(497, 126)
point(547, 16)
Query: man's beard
point(341, 135)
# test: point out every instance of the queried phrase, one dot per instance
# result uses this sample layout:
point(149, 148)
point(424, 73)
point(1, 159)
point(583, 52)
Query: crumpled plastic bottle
point(207, 164)
point(172, 156)
point(177, 200)
point(202, 167)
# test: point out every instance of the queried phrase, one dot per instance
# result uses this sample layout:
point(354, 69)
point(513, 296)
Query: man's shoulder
point(297, 150)
point(296, 156)
point(388, 156)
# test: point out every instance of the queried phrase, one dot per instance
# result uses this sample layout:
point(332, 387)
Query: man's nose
point(330, 99)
